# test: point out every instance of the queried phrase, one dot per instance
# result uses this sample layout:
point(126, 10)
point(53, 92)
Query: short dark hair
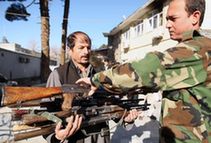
point(73, 36)
point(194, 5)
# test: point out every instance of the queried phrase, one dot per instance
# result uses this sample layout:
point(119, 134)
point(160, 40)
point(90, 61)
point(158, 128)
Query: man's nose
point(86, 50)
point(168, 24)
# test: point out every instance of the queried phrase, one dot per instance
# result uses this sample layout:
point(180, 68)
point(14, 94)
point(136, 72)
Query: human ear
point(196, 17)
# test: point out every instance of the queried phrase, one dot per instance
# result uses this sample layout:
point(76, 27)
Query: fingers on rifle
point(70, 122)
point(83, 81)
point(57, 131)
point(69, 126)
point(80, 121)
point(58, 126)
point(134, 113)
point(87, 81)
point(73, 126)
point(129, 118)
point(91, 92)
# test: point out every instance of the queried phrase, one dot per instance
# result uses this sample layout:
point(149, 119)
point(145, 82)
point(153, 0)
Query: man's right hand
point(72, 126)
point(87, 81)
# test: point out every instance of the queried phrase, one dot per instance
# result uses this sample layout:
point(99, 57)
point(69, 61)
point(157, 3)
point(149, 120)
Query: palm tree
point(45, 32)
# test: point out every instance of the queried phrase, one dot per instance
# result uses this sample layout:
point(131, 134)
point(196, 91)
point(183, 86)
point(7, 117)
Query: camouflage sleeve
point(178, 67)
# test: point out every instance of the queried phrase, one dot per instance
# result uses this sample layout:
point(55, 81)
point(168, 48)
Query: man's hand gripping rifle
point(99, 108)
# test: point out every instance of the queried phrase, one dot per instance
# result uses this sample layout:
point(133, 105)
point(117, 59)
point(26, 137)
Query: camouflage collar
point(188, 35)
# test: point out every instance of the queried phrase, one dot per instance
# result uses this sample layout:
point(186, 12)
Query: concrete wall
point(15, 65)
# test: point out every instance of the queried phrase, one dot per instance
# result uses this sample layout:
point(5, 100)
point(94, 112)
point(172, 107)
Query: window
point(2, 54)
point(139, 28)
point(160, 19)
point(155, 21)
point(126, 35)
point(27, 60)
point(23, 60)
point(150, 25)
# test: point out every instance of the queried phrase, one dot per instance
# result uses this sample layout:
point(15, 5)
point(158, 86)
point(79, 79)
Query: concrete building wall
point(15, 65)
point(18, 63)
point(151, 38)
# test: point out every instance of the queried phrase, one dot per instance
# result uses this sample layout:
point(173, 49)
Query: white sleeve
point(53, 79)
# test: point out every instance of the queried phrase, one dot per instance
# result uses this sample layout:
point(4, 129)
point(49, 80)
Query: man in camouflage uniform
point(182, 73)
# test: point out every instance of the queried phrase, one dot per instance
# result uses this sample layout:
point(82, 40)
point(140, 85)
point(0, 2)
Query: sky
point(91, 16)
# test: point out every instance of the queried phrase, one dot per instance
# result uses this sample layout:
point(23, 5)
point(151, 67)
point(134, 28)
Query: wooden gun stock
point(13, 95)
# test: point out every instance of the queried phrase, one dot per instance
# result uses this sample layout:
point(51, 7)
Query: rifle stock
point(12, 95)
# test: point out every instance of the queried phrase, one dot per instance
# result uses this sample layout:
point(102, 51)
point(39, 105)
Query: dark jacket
point(69, 74)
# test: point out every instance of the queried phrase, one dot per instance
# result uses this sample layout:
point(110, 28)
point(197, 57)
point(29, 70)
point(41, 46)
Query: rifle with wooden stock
point(45, 122)
point(17, 95)
point(93, 110)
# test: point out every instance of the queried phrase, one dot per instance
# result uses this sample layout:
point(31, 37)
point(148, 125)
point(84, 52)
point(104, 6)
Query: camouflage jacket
point(182, 73)
point(187, 65)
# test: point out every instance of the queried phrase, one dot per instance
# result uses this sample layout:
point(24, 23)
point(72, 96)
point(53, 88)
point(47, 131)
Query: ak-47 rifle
point(100, 108)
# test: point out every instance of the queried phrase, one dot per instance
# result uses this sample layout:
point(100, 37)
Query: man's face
point(178, 20)
point(81, 51)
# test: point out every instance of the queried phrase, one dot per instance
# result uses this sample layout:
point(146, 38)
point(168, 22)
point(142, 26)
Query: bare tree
point(33, 46)
point(45, 32)
point(64, 31)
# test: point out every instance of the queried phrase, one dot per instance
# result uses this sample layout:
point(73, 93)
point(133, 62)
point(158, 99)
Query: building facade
point(145, 31)
point(20, 64)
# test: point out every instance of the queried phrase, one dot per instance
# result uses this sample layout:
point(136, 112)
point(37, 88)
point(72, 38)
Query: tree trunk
point(45, 32)
point(64, 31)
